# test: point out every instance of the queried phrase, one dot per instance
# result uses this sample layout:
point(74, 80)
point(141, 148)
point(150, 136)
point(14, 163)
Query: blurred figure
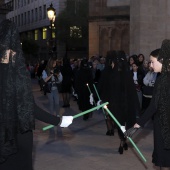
point(132, 59)
point(145, 67)
point(149, 81)
point(138, 81)
point(140, 60)
point(52, 76)
point(66, 84)
point(84, 77)
point(39, 72)
point(116, 87)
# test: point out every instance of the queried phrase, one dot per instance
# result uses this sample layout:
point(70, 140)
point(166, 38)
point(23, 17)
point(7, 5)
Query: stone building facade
point(149, 25)
point(135, 26)
point(108, 27)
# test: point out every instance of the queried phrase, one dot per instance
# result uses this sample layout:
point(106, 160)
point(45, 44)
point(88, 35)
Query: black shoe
point(110, 133)
point(85, 118)
point(120, 149)
point(125, 146)
point(64, 106)
point(68, 105)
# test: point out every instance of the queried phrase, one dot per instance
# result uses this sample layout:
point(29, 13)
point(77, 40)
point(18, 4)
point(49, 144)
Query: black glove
point(130, 132)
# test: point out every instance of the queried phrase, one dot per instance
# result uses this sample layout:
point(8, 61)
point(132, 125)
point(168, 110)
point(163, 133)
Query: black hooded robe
point(17, 106)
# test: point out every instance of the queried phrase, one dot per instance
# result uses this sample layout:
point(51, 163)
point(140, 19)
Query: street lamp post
point(51, 16)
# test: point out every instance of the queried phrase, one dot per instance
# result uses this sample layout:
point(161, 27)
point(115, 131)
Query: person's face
point(131, 61)
point(150, 68)
point(5, 59)
point(94, 65)
point(102, 61)
point(54, 63)
point(75, 63)
point(141, 58)
point(146, 65)
point(134, 67)
point(155, 64)
point(112, 65)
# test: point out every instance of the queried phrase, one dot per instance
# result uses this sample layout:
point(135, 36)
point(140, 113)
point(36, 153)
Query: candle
point(99, 99)
point(89, 88)
point(79, 114)
point(90, 110)
point(90, 93)
point(96, 91)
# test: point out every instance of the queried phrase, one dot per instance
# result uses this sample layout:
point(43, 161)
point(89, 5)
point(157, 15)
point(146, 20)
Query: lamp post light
point(51, 16)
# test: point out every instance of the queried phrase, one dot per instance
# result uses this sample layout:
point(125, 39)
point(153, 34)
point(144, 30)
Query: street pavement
point(84, 145)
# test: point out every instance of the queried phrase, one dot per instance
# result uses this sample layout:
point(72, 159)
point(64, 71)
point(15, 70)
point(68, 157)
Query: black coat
point(67, 74)
point(117, 88)
point(161, 155)
point(84, 77)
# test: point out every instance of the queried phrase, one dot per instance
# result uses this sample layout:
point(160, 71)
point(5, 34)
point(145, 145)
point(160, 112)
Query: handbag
point(45, 86)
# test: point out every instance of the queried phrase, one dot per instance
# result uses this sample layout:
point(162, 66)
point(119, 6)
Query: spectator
point(149, 81)
point(66, 84)
point(52, 76)
point(138, 81)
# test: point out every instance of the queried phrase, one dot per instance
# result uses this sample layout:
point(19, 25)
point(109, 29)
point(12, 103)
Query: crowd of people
point(142, 74)
point(117, 78)
point(127, 83)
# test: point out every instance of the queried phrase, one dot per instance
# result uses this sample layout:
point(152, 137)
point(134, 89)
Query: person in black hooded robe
point(159, 108)
point(116, 87)
point(17, 106)
point(84, 77)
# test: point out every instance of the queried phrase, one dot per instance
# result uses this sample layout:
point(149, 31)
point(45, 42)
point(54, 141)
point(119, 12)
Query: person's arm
point(146, 80)
point(60, 78)
point(46, 117)
point(45, 76)
point(141, 122)
point(150, 111)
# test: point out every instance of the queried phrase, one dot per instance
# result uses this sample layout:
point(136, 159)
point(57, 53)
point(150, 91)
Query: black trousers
point(22, 160)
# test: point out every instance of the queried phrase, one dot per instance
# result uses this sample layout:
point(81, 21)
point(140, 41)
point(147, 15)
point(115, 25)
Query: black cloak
point(116, 87)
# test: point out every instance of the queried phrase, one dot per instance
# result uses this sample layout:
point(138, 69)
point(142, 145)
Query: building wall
point(100, 8)
point(149, 25)
point(28, 20)
point(108, 27)
point(106, 36)
point(114, 3)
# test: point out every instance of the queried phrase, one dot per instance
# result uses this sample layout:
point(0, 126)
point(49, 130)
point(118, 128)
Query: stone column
point(149, 25)
point(93, 38)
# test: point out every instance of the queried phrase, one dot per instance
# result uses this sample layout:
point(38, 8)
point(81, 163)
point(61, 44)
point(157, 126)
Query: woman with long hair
point(159, 108)
point(52, 76)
